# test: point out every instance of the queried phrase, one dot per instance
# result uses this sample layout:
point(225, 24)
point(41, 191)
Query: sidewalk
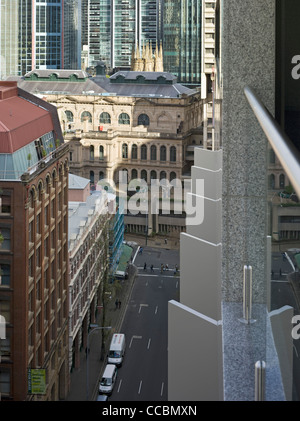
point(114, 318)
point(167, 242)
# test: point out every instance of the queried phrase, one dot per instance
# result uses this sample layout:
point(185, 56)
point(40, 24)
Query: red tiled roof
point(21, 121)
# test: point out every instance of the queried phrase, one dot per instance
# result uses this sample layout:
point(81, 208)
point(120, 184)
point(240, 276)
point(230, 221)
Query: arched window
point(153, 175)
point(172, 175)
point(92, 154)
point(143, 152)
point(134, 149)
point(271, 156)
point(124, 151)
point(144, 175)
point(104, 118)
point(134, 174)
point(92, 177)
point(163, 153)
point(153, 153)
point(143, 120)
point(101, 152)
point(101, 175)
point(86, 114)
point(124, 118)
point(272, 181)
point(173, 154)
point(40, 191)
point(69, 116)
point(282, 181)
point(163, 175)
point(124, 175)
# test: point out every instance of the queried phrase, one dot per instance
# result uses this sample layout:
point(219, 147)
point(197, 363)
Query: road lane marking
point(149, 343)
point(134, 337)
point(156, 310)
point(140, 387)
point(156, 276)
point(143, 305)
point(162, 389)
point(119, 386)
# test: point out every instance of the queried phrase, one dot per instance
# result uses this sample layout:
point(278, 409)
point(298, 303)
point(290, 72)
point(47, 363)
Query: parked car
point(108, 379)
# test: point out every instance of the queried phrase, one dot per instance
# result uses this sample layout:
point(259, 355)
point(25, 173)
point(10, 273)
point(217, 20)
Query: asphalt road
point(143, 375)
point(282, 294)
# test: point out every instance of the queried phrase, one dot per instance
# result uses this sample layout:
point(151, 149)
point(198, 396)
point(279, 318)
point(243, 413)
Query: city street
point(143, 375)
point(143, 318)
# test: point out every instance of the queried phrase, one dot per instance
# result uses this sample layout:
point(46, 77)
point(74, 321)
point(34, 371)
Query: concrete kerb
point(117, 318)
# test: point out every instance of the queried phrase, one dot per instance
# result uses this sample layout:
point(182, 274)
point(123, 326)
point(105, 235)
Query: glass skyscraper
point(72, 34)
point(39, 34)
point(8, 37)
point(182, 39)
point(116, 26)
point(47, 34)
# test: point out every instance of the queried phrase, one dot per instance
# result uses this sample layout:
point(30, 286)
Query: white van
point(121, 275)
point(108, 380)
point(117, 349)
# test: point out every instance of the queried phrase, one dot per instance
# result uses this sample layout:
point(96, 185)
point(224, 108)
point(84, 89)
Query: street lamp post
point(95, 327)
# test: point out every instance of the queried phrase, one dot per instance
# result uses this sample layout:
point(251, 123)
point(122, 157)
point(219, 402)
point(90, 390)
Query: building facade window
point(173, 154)
point(272, 181)
point(5, 203)
point(104, 118)
point(271, 156)
point(143, 152)
point(144, 175)
point(4, 275)
point(134, 149)
point(5, 245)
point(92, 176)
point(86, 115)
point(101, 152)
point(143, 120)
point(134, 174)
point(125, 151)
point(69, 116)
point(163, 153)
point(92, 153)
point(172, 175)
point(124, 118)
point(153, 175)
point(153, 153)
point(163, 175)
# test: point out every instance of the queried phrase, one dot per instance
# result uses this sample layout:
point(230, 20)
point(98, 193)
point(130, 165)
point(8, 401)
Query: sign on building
point(36, 381)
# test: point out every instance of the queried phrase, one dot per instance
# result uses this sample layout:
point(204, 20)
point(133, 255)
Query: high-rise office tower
point(115, 27)
point(47, 33)
point(182, 39)
point(8, 37)
point(72, 34)
point(36, 34)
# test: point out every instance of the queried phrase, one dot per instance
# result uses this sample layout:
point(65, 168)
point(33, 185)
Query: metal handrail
point(283, 147)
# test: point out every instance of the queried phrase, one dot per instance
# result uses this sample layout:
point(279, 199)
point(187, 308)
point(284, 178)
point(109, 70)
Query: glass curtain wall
point(72, 34)
point(25, 37)
point(100, 13)
point(123, 32)
point(115, 26)
point(48, 34)
point(182, 40)
point(8, 38)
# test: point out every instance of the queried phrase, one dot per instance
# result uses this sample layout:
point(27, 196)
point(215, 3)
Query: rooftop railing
point(286, 152)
